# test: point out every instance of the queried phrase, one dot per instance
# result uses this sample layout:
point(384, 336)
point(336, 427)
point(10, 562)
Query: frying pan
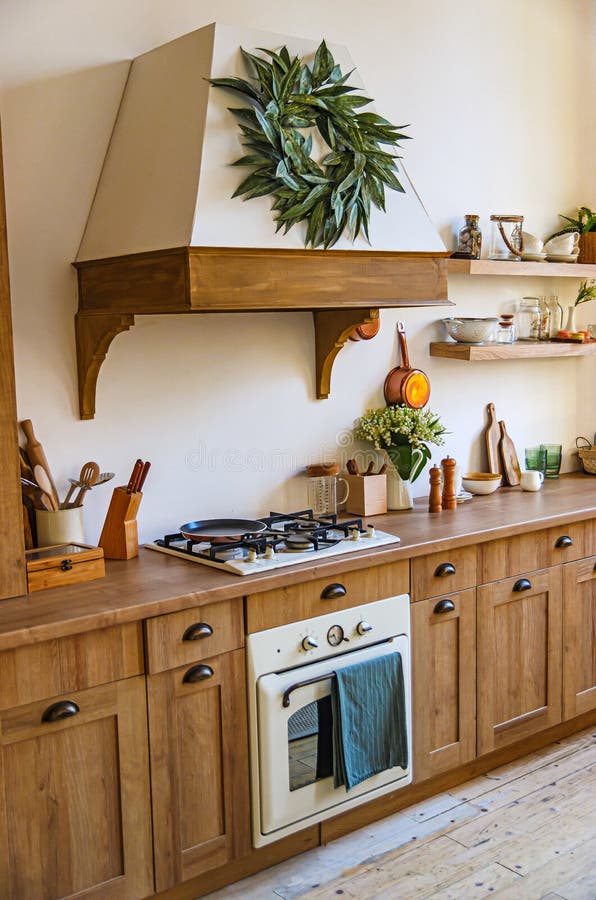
point(403, 384)
point(221, 530)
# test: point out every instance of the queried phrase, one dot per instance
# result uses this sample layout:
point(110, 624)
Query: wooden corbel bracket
point(332, 329)
point(94, 334)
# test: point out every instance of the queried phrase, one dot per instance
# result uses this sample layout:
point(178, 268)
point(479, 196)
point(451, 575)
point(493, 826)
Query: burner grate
point(286, 532)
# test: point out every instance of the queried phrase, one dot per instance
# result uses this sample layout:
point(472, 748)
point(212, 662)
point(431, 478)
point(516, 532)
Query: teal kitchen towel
point(369, 719)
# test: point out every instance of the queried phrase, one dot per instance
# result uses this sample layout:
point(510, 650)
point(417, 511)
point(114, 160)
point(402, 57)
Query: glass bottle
point(470, 238)
point(556, 315)
point(545, 315)
point(529, 316)
point(506, 330)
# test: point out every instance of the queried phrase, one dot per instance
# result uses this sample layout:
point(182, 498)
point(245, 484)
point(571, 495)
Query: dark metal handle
point(197, 631)
point(197, 673)
point(333, 591)
point(64, 709)
point(522, 585)
point(444, 569)
point(66, 565)
point(444, 606)
point(285, 701)
point(564, 541)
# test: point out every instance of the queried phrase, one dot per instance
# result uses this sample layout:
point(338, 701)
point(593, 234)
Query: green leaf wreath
point(287, 98)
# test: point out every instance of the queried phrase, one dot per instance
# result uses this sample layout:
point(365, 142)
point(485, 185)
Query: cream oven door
point(295, 780)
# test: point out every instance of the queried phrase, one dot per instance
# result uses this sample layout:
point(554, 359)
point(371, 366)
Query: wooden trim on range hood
point(226, 279)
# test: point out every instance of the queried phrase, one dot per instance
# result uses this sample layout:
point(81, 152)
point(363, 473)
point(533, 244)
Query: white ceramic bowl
point(471, 331)
point(480, 482)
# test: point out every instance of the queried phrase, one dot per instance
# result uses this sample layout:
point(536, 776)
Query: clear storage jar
point(529, 319)
point(506, 242)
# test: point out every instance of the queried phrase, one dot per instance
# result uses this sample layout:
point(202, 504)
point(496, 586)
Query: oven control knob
point(309, 642)
point(363, 627)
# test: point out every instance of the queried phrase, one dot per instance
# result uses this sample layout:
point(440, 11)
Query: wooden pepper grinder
point(434, 498)
point(449, 498)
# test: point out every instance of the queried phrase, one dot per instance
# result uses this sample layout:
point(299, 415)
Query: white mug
point(532, 480)
point(563, 244)
point(532, 244)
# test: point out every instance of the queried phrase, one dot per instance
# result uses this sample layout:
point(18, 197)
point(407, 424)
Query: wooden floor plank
point(526, 831)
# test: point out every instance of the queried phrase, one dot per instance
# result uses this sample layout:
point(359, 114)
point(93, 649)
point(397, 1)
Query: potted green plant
point(585, 225)
point(403, 434)
point(587, 291)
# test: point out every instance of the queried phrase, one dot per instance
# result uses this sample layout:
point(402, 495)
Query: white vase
point(399, 492)
point(570, 323)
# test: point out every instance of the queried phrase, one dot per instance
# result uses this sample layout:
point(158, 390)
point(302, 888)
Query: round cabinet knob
point(309, 642)
point(363, 627)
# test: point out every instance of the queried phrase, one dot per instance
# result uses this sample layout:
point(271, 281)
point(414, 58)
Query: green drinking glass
point(536, 459)
point(553, 460)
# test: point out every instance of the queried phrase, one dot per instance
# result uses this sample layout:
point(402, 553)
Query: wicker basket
point(587, 454)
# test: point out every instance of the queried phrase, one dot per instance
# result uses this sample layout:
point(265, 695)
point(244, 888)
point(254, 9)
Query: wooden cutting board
point(508, 455)
point(492, 436)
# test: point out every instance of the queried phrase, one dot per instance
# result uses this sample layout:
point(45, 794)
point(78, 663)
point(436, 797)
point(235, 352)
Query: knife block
point(119, 537)
point(368, 494)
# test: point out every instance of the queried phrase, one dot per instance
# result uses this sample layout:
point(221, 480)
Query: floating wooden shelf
point(518, 350)
point(496, 267)
point(342, 288)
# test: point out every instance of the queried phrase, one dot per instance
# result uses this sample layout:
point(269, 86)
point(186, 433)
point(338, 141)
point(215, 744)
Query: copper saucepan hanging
point(403, 384)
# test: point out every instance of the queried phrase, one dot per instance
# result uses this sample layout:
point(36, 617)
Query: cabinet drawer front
point(444, 572)
point(71, 663)
point(536, 550)
point(193, 634)
point(268, 609)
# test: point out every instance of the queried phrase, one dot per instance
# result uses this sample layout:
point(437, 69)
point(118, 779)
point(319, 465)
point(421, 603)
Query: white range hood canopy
point(167, 179)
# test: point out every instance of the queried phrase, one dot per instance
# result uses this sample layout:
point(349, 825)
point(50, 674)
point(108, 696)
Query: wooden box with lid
point(63, 564)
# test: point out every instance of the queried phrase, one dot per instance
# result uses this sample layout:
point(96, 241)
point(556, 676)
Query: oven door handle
point(294, 687)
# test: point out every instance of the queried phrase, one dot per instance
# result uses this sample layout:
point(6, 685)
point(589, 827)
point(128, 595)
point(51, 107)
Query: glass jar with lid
point(469, 241)
point(529, 318)
point(506, 242)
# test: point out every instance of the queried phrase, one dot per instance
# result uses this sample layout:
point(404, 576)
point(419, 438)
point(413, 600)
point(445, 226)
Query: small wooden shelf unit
point(518, 350)
point(497, 267)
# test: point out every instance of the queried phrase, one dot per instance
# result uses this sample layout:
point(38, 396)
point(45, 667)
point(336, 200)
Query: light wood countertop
point(154, 583)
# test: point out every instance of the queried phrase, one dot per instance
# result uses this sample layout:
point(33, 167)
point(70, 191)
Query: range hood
point(165, 235)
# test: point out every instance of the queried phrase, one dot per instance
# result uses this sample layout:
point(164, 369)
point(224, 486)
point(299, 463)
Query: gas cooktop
point(288, 539)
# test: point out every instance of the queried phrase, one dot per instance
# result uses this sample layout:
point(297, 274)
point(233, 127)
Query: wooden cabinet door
point(519, 657)
point(74, 799)
point(12, 548)
point(199, 767)
point(579, 637)
point(444, 683)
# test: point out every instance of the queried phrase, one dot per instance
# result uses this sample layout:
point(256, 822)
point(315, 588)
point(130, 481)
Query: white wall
point(224, 406)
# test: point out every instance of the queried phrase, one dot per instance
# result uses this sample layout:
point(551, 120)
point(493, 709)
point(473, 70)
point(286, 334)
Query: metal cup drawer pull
point(563, 541)
point(63, 709)
point(197, 673)
point(444, 606)
point(197, 631)
point(444, 569)
point(333, 591)
point(522, 585)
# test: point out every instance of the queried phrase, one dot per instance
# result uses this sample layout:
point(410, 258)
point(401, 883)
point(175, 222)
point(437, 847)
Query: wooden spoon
point(43, 480)
point(88, 477)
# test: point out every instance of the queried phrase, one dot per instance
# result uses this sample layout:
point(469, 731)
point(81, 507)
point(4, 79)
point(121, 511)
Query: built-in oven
point(290, 669)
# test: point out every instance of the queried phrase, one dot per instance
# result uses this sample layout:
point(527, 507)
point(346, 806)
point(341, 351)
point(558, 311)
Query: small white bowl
point(471, 331)
point(480, 482)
